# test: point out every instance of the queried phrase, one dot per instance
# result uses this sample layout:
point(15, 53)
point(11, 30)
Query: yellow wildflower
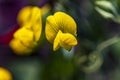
point(5, 74)
point(24, 15)
point(30, 17)
point(61, 30)
point(31, 14)
point(23, 41)
point(26, 38)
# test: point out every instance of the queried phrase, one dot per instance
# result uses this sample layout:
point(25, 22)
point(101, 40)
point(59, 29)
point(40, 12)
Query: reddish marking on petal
point(5, 39)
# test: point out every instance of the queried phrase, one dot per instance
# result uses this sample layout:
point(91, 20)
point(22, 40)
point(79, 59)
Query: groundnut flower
point(61, 31)
point(26, 38)
point(5, 74)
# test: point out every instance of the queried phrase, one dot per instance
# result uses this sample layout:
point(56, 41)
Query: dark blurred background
point(96, 57)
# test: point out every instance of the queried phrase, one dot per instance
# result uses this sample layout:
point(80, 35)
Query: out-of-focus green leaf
point(26, 69)
point(105, 5)
point(106, 9)
point(104, 13)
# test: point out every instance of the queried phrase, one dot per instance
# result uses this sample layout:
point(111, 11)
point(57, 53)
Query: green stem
point(107, 43)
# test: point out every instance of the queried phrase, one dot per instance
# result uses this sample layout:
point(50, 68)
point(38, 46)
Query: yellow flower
point(24, 15)
point(31, 14)
point(26, 38)
point(61, 30)
point(5, 74)
point(23, 41)
point(30, 17)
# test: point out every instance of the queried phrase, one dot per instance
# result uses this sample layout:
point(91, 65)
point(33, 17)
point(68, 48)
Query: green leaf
point(104, 13)
point(106, 9)
point(106, 5)
point(26, 68)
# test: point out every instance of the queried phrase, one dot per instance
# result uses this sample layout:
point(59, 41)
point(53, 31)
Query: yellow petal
point(5, 74)
point(19, 48)
point(25, 36)
point(37, 35)
point(68, 40)
point(56, 43)
point(65, 22)
point(24, 15)
point(59, 21)
point(29, 15)
point(35, 15)
point(34, 23)
point(37, 29)
point(65, 40)
point(51, 29)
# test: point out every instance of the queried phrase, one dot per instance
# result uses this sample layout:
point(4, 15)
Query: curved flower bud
point(5, 74)
point(61, 30)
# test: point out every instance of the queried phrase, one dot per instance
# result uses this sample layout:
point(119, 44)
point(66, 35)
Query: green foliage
point(58, 68)
point(108, 9)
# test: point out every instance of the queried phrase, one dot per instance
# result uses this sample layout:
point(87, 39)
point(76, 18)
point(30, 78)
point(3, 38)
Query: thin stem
point(107, 43)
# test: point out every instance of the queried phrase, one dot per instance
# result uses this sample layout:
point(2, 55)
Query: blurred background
point(96, 57)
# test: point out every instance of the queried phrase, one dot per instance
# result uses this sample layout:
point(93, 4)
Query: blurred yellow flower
point(5, 74)
point(31, 14)
point(23, 41)
point(30, 18)
point(24, 15)
point(26, 38)
point(61, 30)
